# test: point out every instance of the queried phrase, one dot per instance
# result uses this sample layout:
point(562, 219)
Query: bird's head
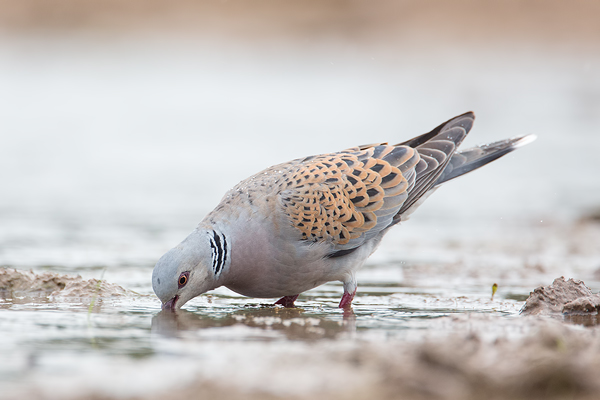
point(184, 272)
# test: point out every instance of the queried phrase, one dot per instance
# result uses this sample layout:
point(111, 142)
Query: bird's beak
point(170, 305)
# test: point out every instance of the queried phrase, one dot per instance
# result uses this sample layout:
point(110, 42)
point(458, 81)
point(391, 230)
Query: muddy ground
point(548, 350)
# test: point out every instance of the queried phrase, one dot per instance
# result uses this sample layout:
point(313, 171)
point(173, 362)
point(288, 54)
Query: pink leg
point(287, 301)
point(347, 298)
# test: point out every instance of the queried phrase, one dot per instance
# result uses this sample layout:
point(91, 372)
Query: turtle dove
point(300, 224)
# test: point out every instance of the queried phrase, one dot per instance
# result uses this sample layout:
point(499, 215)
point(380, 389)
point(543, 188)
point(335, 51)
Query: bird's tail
point(440, 161)
point(465, 161)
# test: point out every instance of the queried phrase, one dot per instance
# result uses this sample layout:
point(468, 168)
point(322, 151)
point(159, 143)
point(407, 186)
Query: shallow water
point(61, 345)
point(49, 343)
point(122, 148)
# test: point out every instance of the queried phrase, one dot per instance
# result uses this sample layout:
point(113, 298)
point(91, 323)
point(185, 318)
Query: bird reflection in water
point(265, 323)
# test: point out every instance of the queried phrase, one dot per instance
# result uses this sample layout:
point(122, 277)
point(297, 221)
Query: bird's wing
point(348, 197)
point(436, 149)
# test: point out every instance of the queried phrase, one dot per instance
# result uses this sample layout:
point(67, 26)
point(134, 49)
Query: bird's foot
point(347, 298)
point(287, 301)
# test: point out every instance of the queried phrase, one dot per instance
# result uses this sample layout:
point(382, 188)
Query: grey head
point(185, 271)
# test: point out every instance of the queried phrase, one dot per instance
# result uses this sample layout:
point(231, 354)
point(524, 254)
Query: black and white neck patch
point(219, 249)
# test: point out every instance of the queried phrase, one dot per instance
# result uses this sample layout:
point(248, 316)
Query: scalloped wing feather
point(348, 197)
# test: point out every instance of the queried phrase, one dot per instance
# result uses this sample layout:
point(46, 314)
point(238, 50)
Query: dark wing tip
point(465, 121)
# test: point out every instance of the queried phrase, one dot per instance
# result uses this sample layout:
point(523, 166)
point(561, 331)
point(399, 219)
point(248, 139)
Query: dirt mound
point(562, 297)
point(27, 283)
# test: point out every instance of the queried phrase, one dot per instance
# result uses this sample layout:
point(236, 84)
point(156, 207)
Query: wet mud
point(15, 284)
point(552, 361)
point(462, 356)
point(569, 297)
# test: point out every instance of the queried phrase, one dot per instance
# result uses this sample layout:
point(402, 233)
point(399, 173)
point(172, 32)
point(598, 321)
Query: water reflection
point(288, 323)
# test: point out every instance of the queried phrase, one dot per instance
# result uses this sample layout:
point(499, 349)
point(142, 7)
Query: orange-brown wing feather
point(348, 197)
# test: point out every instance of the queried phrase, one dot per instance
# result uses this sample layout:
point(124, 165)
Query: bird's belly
point(278, 280)
point(265, 264)
point(264, 269)
point(268, 292)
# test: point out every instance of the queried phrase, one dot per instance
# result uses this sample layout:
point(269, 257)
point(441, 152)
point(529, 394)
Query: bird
point(300, 224)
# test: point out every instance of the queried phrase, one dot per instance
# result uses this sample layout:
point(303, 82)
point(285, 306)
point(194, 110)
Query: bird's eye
point(183, 279)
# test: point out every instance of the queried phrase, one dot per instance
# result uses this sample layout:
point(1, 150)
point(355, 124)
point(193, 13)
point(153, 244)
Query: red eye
point(183, 279)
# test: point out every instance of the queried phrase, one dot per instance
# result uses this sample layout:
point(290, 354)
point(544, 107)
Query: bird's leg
point(287, 301)
point(349, 292)
point(346, 301)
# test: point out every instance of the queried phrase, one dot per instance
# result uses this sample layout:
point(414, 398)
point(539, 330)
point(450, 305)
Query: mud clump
point(569, 297)
point(48, 284)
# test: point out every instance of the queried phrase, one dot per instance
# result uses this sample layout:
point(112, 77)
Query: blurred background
point(122, 123)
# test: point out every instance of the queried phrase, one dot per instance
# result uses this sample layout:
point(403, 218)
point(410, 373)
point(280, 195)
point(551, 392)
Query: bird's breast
point(268, 260)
